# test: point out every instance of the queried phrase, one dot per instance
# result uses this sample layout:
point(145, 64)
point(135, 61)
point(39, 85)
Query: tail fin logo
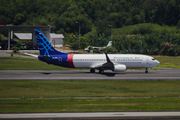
point(44, 45)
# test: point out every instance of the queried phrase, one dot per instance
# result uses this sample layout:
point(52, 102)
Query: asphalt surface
point(90, 115)
point(163, 74)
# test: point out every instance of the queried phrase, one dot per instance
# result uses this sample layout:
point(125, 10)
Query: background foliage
point(133, 21)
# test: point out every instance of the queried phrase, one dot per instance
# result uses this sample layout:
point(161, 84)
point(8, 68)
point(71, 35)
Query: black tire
point(101, 71)
point(92, 70)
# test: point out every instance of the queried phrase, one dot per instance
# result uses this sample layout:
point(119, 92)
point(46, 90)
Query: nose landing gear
point(146, 70)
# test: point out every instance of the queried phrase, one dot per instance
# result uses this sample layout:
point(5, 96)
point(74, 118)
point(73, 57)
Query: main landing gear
point(101, 71)
point(146, 70)
point(92, 70)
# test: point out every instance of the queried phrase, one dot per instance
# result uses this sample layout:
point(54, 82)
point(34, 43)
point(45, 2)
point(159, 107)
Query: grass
point(168, 61)
point(103, 88)
point(158, 96)
point(84, 105)
point(18, 63)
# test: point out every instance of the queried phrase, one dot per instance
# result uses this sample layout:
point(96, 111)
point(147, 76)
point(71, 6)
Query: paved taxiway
point(163, 74)
point(90, 115)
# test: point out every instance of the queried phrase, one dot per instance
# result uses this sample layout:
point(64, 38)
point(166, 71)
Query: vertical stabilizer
point(109, 43)
point(45, 47)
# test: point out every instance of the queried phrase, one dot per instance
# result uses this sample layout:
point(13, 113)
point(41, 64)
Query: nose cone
point(157, 62)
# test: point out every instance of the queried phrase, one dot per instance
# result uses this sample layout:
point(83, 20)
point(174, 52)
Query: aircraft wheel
point(92, 70)
point(101, 71)
point(146, 70)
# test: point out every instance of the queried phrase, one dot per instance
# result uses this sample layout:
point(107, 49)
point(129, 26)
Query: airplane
point(99, 48)
point(101, 62)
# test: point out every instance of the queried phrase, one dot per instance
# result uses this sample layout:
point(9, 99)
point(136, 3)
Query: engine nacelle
point(119, 68)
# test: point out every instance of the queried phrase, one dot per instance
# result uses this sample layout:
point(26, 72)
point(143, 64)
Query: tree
point(110, 50)
point(74, 46)
point(73, 42)
point(15, 49)
point(178, 25)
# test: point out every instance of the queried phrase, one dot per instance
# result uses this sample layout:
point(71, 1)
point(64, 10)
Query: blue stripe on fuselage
point(60, 60)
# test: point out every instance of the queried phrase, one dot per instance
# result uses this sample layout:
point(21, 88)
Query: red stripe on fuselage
point(70, 60)
point(107, 58)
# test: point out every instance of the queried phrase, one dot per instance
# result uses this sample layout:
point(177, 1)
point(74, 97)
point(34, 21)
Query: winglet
point(107, 58)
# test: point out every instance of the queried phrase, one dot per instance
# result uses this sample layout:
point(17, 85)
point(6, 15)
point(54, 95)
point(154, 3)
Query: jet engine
point(119, 68)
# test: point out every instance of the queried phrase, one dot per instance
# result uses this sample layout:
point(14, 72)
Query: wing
point(98, 48)
point(107, 65)
point(111, 66)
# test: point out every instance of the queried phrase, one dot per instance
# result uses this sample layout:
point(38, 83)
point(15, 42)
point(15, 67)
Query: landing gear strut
point(146, 70)
point(101, 71)
point(92, 70)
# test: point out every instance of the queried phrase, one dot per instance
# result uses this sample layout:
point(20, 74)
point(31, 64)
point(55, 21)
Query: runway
point(91, 115)
point(163, 74)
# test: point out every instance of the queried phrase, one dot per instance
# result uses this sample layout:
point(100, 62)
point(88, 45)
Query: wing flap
point(105, 66)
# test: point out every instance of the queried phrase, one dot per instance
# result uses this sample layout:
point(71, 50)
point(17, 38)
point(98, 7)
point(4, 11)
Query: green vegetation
point(105, 88)
point(153, 22)
point(168, 61)
point(143, 28)
point(158, 96)
point(91, 14)
point(148, 38)
point(15, 49)
point(83, 105)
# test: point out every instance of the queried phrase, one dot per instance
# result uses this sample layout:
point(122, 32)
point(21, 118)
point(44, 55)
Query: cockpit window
point(153, 59)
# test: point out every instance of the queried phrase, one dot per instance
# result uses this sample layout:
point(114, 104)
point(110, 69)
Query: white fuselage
point(130, 60)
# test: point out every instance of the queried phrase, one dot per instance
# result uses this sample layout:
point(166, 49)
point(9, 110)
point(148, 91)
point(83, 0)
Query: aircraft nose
point(157, 62)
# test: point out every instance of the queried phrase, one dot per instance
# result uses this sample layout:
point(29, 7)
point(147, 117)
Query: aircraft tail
point(45, 47)
point(109, 43)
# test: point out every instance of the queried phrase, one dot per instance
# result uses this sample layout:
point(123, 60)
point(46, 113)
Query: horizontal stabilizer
point(33, 55)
